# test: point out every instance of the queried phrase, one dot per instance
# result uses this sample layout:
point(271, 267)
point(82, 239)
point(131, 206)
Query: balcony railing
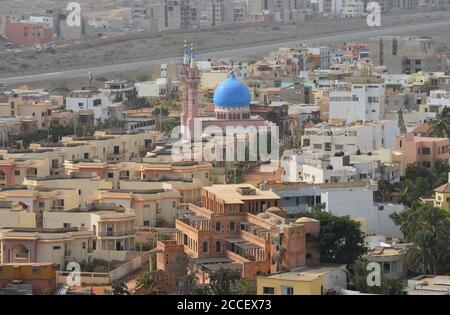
point(116, 234)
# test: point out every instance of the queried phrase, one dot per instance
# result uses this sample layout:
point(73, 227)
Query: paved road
point(230, 52)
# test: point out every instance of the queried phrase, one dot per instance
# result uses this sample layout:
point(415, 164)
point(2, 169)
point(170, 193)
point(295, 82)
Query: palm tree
point(440, 126)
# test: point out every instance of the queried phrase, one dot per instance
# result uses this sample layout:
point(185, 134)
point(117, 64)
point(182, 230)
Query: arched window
point(218, 227)
point(218, 247)
point(205, 247)
point(232, 227)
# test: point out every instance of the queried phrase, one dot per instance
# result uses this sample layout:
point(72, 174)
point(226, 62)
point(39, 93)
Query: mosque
point(231, 101)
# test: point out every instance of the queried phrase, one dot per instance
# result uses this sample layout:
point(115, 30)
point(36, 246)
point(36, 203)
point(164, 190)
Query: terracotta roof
point(443, 189)
point(422, 128)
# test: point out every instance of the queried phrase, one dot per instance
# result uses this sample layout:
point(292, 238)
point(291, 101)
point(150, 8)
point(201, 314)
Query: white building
point(367, 137)
point(355, 199)
point(439, 98)
point(100, 104)
point(118, 90)
point(352, 9)
point(45, 19)
point(159, 88)
point(359, 103)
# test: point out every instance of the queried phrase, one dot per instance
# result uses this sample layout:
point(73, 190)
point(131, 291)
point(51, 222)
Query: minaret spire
point(186, 54)
point(193, 56)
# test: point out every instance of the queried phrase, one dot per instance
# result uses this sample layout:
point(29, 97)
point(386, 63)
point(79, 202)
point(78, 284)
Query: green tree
point(223, 280)
point(358, 281)
point(341, 240)
point(428, 228)
point(440, 125)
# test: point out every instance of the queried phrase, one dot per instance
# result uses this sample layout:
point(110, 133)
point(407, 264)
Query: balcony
point(116, 234)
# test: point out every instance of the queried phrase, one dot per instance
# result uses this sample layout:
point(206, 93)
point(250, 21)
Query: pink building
point(425, 150)
point(26, 33)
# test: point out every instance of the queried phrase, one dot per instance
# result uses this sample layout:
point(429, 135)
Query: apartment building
point(101, 105)
point(111, 225)
point(152, 169)
point(28, 33)
point(407, 55)
point(322, 168)
point(41, 161)
point(241, 226)
point(424, 150)
point(38, 111)
point(351, 139)
point(153, 207)
point(355, 199)
point(357, 103)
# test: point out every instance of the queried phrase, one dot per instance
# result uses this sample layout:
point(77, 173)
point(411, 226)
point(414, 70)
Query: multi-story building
point(406, 55)
point(367, 137)
point(26, 33)
point(241, 226)
point(112, 226)
point(354, 199)
point(100, 104)
point(38, 111)
point(357, 103)
point(424, 150)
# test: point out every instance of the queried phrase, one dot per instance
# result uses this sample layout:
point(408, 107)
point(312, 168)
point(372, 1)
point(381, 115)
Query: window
point(426, 151)
point(17, 173)
point(232, 227)
point(268, 291)
point(83, 245)
point(218, 247)
point(158, 209)
point(56, 247)
point(41, 204)
point(110, 175)
point(146, 223)
point(174, 204)
point(66, 225)
point(218, 227)
point(146, 206)
point(287, 291)
point(327, 146)
point(205, 247)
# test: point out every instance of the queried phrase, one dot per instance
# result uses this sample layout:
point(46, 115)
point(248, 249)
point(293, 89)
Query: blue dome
point(232, 93)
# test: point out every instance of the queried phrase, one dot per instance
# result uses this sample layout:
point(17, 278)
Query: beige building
point(112, 225)
point(20, 106)
point(58, 246)
point(153, 207)
point(13, 214)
